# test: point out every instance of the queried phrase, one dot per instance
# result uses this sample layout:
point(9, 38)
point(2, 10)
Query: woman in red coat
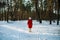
point(29, 24)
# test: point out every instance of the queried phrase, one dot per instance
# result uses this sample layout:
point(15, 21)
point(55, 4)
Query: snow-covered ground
point(18, 30)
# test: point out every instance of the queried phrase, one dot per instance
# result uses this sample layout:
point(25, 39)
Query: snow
point(18, 30)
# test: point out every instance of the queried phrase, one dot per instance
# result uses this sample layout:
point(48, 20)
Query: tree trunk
point(58, 12)
point(37, 11)
point(8, 9)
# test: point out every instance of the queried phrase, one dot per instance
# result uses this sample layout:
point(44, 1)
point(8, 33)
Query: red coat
point(29, 23)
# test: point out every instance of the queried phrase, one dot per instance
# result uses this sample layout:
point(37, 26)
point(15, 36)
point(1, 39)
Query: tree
point(2, 5)
point(8, 10)
point(50, 10)
point(58, 11)
point(37, 11)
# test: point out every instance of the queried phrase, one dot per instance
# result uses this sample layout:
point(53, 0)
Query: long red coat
point(29, 23)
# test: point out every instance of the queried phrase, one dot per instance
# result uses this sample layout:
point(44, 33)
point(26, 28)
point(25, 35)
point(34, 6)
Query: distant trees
point(37, 9)
point(2, 5)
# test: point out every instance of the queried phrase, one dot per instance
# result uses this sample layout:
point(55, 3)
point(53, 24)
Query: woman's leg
point(29, 29)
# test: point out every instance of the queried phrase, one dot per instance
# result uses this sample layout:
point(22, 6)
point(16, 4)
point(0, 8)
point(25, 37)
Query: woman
point(29, 24)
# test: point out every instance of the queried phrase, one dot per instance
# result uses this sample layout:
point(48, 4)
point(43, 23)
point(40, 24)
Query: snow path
point(35, 30)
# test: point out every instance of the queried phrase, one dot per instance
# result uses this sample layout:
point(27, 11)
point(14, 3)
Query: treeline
point(24, 16)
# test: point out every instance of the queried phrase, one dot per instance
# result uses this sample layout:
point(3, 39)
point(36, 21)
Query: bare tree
point(8, 10)
point(37, 11)
point(58, 11)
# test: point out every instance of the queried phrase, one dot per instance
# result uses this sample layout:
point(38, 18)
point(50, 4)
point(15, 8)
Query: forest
point(37, 9)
